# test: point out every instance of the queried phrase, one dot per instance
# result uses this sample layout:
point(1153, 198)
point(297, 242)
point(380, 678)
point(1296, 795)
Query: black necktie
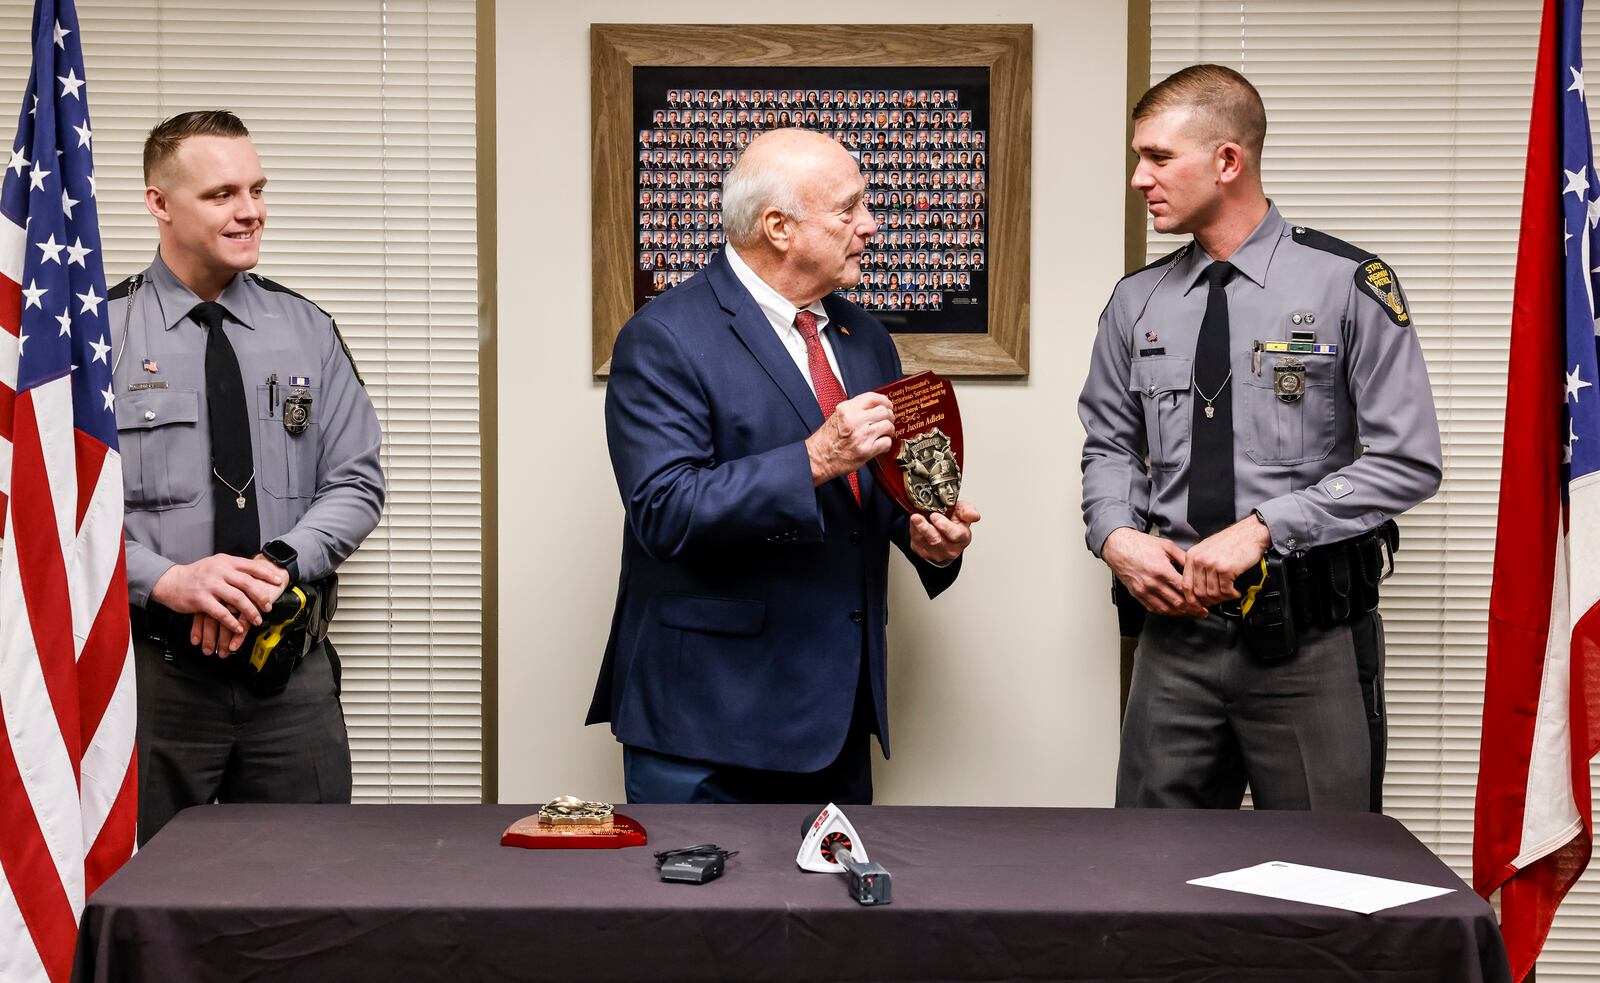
point(1211, 507)
point(237, 528)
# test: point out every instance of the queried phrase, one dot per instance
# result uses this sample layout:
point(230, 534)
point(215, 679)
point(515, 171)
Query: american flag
point(67, 766)
point(1541, 703)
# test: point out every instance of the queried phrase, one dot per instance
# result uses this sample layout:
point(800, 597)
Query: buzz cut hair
point(1224, 106)
point(168, 135)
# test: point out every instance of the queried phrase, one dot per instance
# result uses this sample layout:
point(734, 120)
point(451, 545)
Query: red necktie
point(829, 392)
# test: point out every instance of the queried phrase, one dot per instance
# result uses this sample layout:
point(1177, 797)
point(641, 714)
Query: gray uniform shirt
point(320, 491)
point(1361, 444)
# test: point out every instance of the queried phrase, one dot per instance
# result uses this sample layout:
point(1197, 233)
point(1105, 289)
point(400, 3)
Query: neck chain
point(240, 490)
point(1211, 411)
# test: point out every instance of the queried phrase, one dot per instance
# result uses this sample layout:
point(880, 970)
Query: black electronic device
point(693, 864)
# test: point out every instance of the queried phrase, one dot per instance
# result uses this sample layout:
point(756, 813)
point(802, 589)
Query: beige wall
point(1005, 689)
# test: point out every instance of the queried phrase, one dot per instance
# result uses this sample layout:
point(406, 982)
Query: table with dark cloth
point(307, 893)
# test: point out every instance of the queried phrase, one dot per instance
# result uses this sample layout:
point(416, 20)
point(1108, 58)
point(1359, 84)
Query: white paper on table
point(1319, 885)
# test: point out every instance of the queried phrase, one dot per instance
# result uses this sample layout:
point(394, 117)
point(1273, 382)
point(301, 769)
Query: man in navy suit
point(747, 658)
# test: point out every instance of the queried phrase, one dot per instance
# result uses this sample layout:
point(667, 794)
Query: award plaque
point(570, 823)
point(921, 470)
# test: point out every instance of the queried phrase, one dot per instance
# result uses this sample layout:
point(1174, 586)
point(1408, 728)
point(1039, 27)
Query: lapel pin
point(151, 366)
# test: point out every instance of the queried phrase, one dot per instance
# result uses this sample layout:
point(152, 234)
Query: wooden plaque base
point(529, 834)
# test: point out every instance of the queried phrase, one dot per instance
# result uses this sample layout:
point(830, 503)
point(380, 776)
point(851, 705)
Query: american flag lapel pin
point(150, 365)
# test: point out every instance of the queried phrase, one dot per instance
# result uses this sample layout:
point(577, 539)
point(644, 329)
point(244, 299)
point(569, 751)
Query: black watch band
point(283, 555)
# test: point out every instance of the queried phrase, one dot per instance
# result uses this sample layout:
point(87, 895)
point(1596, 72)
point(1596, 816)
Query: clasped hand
point(226, 594)
point(1172, 581)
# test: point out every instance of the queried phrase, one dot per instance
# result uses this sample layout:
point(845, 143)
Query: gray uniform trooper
point(202, 734)
point(1333, 433)
point(205, 733)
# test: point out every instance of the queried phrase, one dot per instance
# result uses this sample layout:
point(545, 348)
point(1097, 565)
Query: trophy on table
point(570, 823)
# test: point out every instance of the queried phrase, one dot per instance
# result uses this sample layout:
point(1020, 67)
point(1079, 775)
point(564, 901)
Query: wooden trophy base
point(530, 834)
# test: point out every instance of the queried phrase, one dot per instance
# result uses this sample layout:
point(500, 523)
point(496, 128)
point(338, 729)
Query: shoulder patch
point(1376, 280)
point(277, 287)
point(1163, 261)
point(125, 287)
point(1328, 244)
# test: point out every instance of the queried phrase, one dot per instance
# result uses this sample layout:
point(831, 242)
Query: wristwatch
point(283, 555)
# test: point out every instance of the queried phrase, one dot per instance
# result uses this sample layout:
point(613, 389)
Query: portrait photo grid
point(920, 136)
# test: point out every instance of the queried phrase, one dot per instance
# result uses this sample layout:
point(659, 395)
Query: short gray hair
point(747, 191)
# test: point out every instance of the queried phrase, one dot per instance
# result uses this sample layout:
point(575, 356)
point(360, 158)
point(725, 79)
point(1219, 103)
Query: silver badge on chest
point(1289, 379)
point(297, 411)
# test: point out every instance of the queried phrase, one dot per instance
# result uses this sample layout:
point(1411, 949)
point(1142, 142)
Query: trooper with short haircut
point(1257, 411)
point(250, 471)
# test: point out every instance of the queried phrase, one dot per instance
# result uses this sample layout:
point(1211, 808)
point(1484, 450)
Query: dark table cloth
point(236, 893)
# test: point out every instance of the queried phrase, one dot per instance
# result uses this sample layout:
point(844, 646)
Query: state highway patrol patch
point(1374, 277)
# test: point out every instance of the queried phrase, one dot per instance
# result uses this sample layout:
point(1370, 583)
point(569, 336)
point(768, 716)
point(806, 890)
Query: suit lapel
point(856, 364)
point(756, 332)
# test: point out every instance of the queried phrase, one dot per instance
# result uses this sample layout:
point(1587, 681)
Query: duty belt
point(1334, 584)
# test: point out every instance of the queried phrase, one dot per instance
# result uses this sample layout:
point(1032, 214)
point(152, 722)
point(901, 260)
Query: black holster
point(1266, 611)
point(1130, 613)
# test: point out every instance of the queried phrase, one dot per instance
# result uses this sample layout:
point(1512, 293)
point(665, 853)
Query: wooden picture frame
point(1006, 50)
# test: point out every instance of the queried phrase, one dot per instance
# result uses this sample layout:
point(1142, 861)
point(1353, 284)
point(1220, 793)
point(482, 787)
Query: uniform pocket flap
point(714, 615)
point(149, 408)
point(1161, 374)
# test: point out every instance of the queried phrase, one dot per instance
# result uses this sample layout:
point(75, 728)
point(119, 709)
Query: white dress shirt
point(780, 313)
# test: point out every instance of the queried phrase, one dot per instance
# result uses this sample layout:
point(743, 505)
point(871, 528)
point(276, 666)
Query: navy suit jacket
point(748, 597)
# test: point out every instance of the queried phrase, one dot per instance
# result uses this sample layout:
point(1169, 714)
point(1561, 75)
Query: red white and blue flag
point(1541, 702)
point(67, 765)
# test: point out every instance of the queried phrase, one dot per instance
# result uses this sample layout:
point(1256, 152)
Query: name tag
point(135, 387)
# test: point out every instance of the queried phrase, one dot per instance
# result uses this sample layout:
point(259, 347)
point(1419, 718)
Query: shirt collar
point(1252, 257)
point(773, 304)
point(177, 300)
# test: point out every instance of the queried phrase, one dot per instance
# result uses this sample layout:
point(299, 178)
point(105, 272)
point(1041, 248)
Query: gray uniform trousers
point(1204, 719)
point(204, 737)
